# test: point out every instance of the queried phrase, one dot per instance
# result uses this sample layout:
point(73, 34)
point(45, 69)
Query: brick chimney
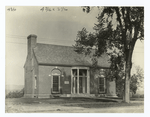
point(31, 43)
point(29, 72)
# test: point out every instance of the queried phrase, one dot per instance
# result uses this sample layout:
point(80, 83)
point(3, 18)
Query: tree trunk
point(127, 86)
point(128, 67)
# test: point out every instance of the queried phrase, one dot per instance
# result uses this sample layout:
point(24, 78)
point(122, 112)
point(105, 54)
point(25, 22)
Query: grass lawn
point(73, 105)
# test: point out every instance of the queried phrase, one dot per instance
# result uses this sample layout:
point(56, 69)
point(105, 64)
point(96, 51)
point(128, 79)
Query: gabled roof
point(64, 55)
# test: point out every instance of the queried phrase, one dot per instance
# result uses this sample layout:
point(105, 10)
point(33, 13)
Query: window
point(75, 79)
point(55, 80)
point(79, 80)
point(82, 80)
point(55, 83)
point(35, 83)
point(101, 84)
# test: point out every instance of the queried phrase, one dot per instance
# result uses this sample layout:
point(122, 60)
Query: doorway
point(79, 81)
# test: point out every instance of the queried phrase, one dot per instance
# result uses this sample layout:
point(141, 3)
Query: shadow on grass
point(58, 100)
point(103, 105)
point(77, 102)
point(102, 102)
point(86, 99)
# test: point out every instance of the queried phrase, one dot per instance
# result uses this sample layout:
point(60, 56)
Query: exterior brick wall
point(45, 84)
point(93, 82)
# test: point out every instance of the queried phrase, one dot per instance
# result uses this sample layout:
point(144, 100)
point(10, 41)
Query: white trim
point(88, 81)
point(80, 68)
point(74, 91)
point(55, 74)
point(78, 81)
point(71, 82)
point(51, 84)
point(35, 82)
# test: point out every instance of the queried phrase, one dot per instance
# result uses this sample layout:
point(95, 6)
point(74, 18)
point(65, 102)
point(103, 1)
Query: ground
point(73, 105)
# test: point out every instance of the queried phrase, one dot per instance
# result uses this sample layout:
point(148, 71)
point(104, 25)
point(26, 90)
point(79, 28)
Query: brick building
point(58, 70)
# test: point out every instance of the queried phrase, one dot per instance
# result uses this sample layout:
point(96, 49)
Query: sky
point(58, 26)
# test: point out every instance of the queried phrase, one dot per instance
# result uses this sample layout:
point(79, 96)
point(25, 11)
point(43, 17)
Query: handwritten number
point(11, 9)
point(42, 9)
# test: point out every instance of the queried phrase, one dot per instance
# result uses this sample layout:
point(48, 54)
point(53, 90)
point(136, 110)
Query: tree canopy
point(115, 33)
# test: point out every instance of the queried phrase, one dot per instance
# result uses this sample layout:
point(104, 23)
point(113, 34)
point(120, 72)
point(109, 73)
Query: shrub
point(138, 96)
point(15, 94)
point(142, 96)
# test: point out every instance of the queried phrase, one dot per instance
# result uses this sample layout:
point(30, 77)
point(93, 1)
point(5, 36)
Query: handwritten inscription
point(11, 9)
point(47, 9)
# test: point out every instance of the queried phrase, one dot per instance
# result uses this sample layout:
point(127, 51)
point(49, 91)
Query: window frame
point(58, 83)
point(100, 84)
point(77, 76)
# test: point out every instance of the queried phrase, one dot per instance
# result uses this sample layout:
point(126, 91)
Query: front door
point(79, 81)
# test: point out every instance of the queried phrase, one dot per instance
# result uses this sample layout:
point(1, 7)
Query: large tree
point(116, 33)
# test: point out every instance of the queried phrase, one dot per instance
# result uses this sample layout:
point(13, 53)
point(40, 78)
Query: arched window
point(56, 72)
point(56, 80)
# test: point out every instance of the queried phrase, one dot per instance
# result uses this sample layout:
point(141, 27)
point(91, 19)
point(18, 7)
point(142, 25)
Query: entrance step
point(78, 95)
point(56, 95)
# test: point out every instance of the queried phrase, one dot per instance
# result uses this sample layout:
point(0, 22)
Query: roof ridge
point(54, 45)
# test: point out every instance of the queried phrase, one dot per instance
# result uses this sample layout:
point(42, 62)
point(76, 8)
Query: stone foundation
point(28, 96)
point(67, 95)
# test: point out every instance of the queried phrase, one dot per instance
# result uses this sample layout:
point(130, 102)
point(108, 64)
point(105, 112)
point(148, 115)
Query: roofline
point(61, 45)
point(49, 64)
point(56, 45)
point(64, 65)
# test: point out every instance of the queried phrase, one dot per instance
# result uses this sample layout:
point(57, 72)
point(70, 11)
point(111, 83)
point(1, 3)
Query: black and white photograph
point(74, 59)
